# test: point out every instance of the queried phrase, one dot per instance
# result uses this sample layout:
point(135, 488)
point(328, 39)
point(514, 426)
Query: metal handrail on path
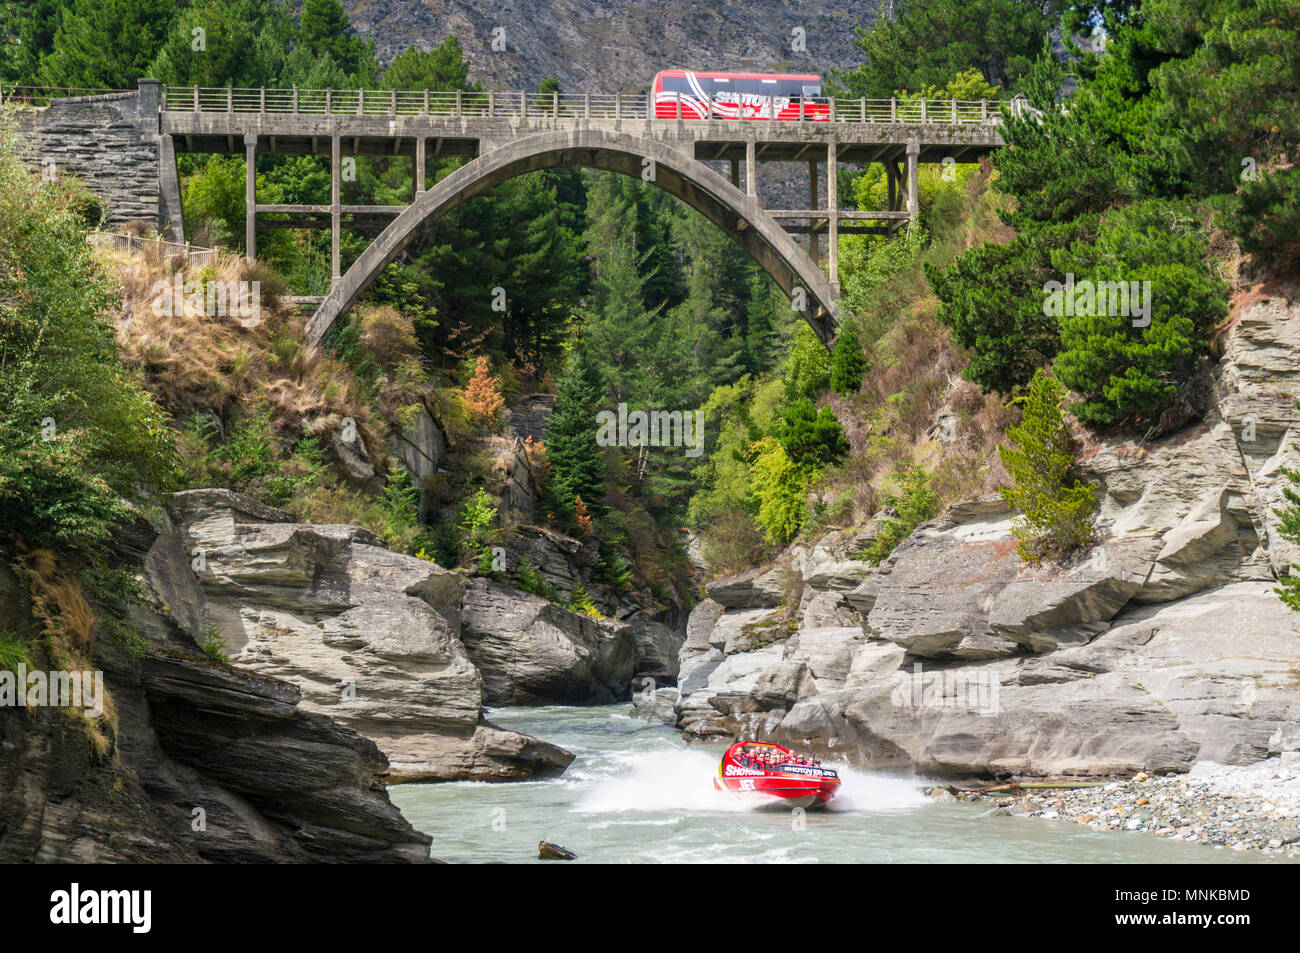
point(190, 255)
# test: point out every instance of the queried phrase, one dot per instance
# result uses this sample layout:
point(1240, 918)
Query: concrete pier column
point(833, 207)
point(751, 169)
point(250, 197)
point(814, 240)
point(336, 210)
point(913, 188)
point(419, 165)
point(735, 172)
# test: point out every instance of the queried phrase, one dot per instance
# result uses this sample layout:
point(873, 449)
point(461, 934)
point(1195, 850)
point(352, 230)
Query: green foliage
point(105, 44)
point(612, 569)
point(1056, 515)
point(848, 362)
point(780, 486)
point(913, 505)
point(929, 42)
point(78, 435)
point(992, 298)
point(213, 644)
point(577, 461)
point(214, 201)
point(400, 503)
point(811, 438)
point(1123, 370)
point(324, 31)
point(476, 519)
point(14, 651)
point(808, 364)
point(441, 69)
point(528, 579)
point(1266, 218)
point(1289, 528)
point(580, 602)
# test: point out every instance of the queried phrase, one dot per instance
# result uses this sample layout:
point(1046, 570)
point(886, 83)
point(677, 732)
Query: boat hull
point(782, 784)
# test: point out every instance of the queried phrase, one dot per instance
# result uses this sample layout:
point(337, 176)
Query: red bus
point(688, 95)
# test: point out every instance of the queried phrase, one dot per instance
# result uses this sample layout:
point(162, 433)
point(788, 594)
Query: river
point(636, 793)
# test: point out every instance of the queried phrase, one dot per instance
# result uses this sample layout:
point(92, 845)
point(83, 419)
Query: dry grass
point(197, 362)
point(67, 623)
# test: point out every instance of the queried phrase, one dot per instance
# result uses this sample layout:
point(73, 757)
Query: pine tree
point(1056, 517)
point(848, 363)
point(325, 30)
point(577, 461)
point(106, 43)
point(811, 438)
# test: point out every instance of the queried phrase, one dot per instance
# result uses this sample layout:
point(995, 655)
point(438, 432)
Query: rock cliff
point(372, 638)
point(1162, 645)
point(202, 762)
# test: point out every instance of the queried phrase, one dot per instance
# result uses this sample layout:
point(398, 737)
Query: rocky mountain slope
point(616, 45)
point(1161, 646)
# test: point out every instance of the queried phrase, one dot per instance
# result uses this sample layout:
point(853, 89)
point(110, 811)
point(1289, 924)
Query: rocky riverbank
point(1254, 807)
point(197, 761)
point(1162, 646)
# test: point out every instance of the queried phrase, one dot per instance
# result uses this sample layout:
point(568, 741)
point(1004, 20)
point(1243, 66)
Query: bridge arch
point(679, 174)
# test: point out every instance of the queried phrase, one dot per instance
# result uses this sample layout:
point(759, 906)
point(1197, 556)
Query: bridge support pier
point(419, 165)
point(336, 210)
point(814, 240)
point(751, 167)
point(250, 197)
point(913, 193)
point(833, 206)
point(735, 172)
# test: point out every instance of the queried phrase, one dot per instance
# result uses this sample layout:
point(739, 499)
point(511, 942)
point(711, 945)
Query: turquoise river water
point(636, 793)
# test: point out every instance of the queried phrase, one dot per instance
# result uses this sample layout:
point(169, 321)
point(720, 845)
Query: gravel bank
point(1252, 807)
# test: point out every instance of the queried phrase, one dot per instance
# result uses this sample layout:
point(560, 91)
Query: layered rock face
point(532, 652)
point(370, 637)
point(1162, 645)
point(206, 763)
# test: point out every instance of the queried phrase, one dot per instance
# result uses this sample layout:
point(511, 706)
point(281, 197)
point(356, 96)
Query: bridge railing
point(520, 104)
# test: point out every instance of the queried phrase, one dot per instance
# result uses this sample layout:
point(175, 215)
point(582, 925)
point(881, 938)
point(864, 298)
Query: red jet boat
point(759, 770)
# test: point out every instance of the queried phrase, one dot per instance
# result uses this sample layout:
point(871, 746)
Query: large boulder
point(658, 651)
point(533, 652)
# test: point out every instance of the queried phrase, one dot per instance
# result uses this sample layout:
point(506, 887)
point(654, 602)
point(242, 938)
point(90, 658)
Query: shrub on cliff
point(912, 505)
point(848, 363)
point(1056, 515)
point(780, 486)
point(1289, 528)
point(811, 437)
point(78, 435)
